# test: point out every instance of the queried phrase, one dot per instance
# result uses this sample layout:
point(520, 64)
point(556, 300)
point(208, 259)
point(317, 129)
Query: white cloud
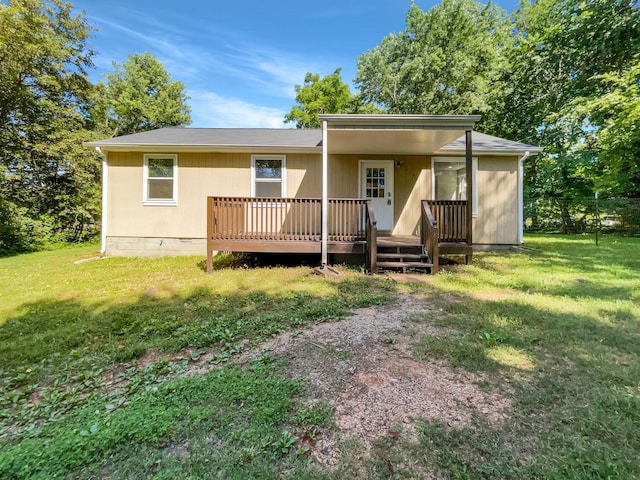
point(214, 111)
point(276, 71)
point(246, 73)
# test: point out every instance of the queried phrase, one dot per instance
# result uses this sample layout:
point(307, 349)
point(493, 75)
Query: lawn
point(95, 354)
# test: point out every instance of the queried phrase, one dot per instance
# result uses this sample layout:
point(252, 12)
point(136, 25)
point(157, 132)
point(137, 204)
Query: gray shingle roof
point(218, 137)
point(252, 138)
point(488, 143)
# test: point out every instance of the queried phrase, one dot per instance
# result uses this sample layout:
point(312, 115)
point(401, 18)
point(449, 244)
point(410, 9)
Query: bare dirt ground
point(363, 366)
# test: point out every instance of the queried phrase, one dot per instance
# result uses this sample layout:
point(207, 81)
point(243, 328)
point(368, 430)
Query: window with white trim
point(267, 176)
point(450, 179)
point(160, 179)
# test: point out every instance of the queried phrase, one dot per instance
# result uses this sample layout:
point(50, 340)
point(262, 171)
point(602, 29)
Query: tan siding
point(412, 185)
point(199, 175)
point(229, 174)
point(497, 221)
point(343, 176)
point(124, 192)
point(304, 176)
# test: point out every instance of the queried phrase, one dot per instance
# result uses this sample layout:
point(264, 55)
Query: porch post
point(325, 199)
point(469, 168)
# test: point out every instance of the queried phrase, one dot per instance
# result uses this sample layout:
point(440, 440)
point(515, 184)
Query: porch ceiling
point(379, 142)
point(394, 134)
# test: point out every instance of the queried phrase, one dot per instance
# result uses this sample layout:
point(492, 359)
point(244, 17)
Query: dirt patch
point(363, 367)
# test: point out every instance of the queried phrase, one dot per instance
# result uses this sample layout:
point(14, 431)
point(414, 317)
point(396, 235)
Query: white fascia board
point(498, 153)
point(205, 148)
point(381, 120)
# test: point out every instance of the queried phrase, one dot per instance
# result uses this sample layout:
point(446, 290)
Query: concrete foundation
point(155, 247)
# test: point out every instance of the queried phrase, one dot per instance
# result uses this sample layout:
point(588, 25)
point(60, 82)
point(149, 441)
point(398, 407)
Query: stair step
point(410, 249)
point(402, 256)
point(404, 265)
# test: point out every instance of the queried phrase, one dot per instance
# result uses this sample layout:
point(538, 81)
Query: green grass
point(560, 325)
point(556, 329)
point(67, 327)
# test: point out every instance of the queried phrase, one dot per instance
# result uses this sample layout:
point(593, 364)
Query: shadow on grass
point(50, 333)
point(56, 354)
point(258, 260)
point(160, 320)
point(573, 374)
point(574, 371)
point(572, 269)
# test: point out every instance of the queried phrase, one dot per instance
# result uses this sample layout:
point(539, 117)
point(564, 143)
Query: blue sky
point(240, 59)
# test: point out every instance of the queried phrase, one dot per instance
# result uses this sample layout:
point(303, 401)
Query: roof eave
point(488, 151)
point(171, 148)
point(383, 120)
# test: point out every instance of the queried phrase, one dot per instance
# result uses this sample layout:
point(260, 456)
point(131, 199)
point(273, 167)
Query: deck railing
point(372, 238)
point(451, 219)
point(289, 225)
point(429, 235)
point(287, 219)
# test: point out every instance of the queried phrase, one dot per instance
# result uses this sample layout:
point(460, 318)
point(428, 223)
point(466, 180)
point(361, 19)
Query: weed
point(240, 408)
point(316, 415)
point(492, 338)
point(284, 443)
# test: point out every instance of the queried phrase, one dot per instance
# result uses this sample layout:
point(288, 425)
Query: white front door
point(376, 183)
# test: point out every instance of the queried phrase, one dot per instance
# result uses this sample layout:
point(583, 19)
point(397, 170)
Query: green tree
point(140, 95)
point(49, 185)
point(561, 55)
point(317, 95)
point(616, 118)
point(447, 60)
point(560, 48)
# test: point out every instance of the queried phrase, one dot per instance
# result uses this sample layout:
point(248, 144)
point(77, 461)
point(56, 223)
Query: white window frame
point(145, 181)
point(283, 176)
point(474, 178)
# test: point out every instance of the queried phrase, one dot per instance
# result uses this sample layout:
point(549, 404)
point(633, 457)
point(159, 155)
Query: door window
point(375, 182)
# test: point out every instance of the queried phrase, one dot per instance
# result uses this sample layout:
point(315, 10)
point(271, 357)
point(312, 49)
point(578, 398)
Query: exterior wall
point(343, 176)
point(303, 176)
point(412, 183)
point(135, 229)
point(497, 220)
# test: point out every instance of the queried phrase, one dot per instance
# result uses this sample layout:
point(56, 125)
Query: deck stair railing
point(451, 219)
point(429, 236)
point(372, 239)
point(445, 230)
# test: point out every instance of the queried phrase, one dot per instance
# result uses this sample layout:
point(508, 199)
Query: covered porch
point(293, 225)
point(328, 225)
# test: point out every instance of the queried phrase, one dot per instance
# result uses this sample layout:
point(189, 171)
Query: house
point(347, 188)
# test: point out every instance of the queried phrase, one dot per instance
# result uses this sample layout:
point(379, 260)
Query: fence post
point(597, 219)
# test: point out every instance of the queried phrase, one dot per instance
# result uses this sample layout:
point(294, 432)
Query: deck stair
point(403, 258)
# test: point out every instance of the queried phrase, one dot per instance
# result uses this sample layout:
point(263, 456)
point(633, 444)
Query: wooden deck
point(293, 225)
point(289, 225)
